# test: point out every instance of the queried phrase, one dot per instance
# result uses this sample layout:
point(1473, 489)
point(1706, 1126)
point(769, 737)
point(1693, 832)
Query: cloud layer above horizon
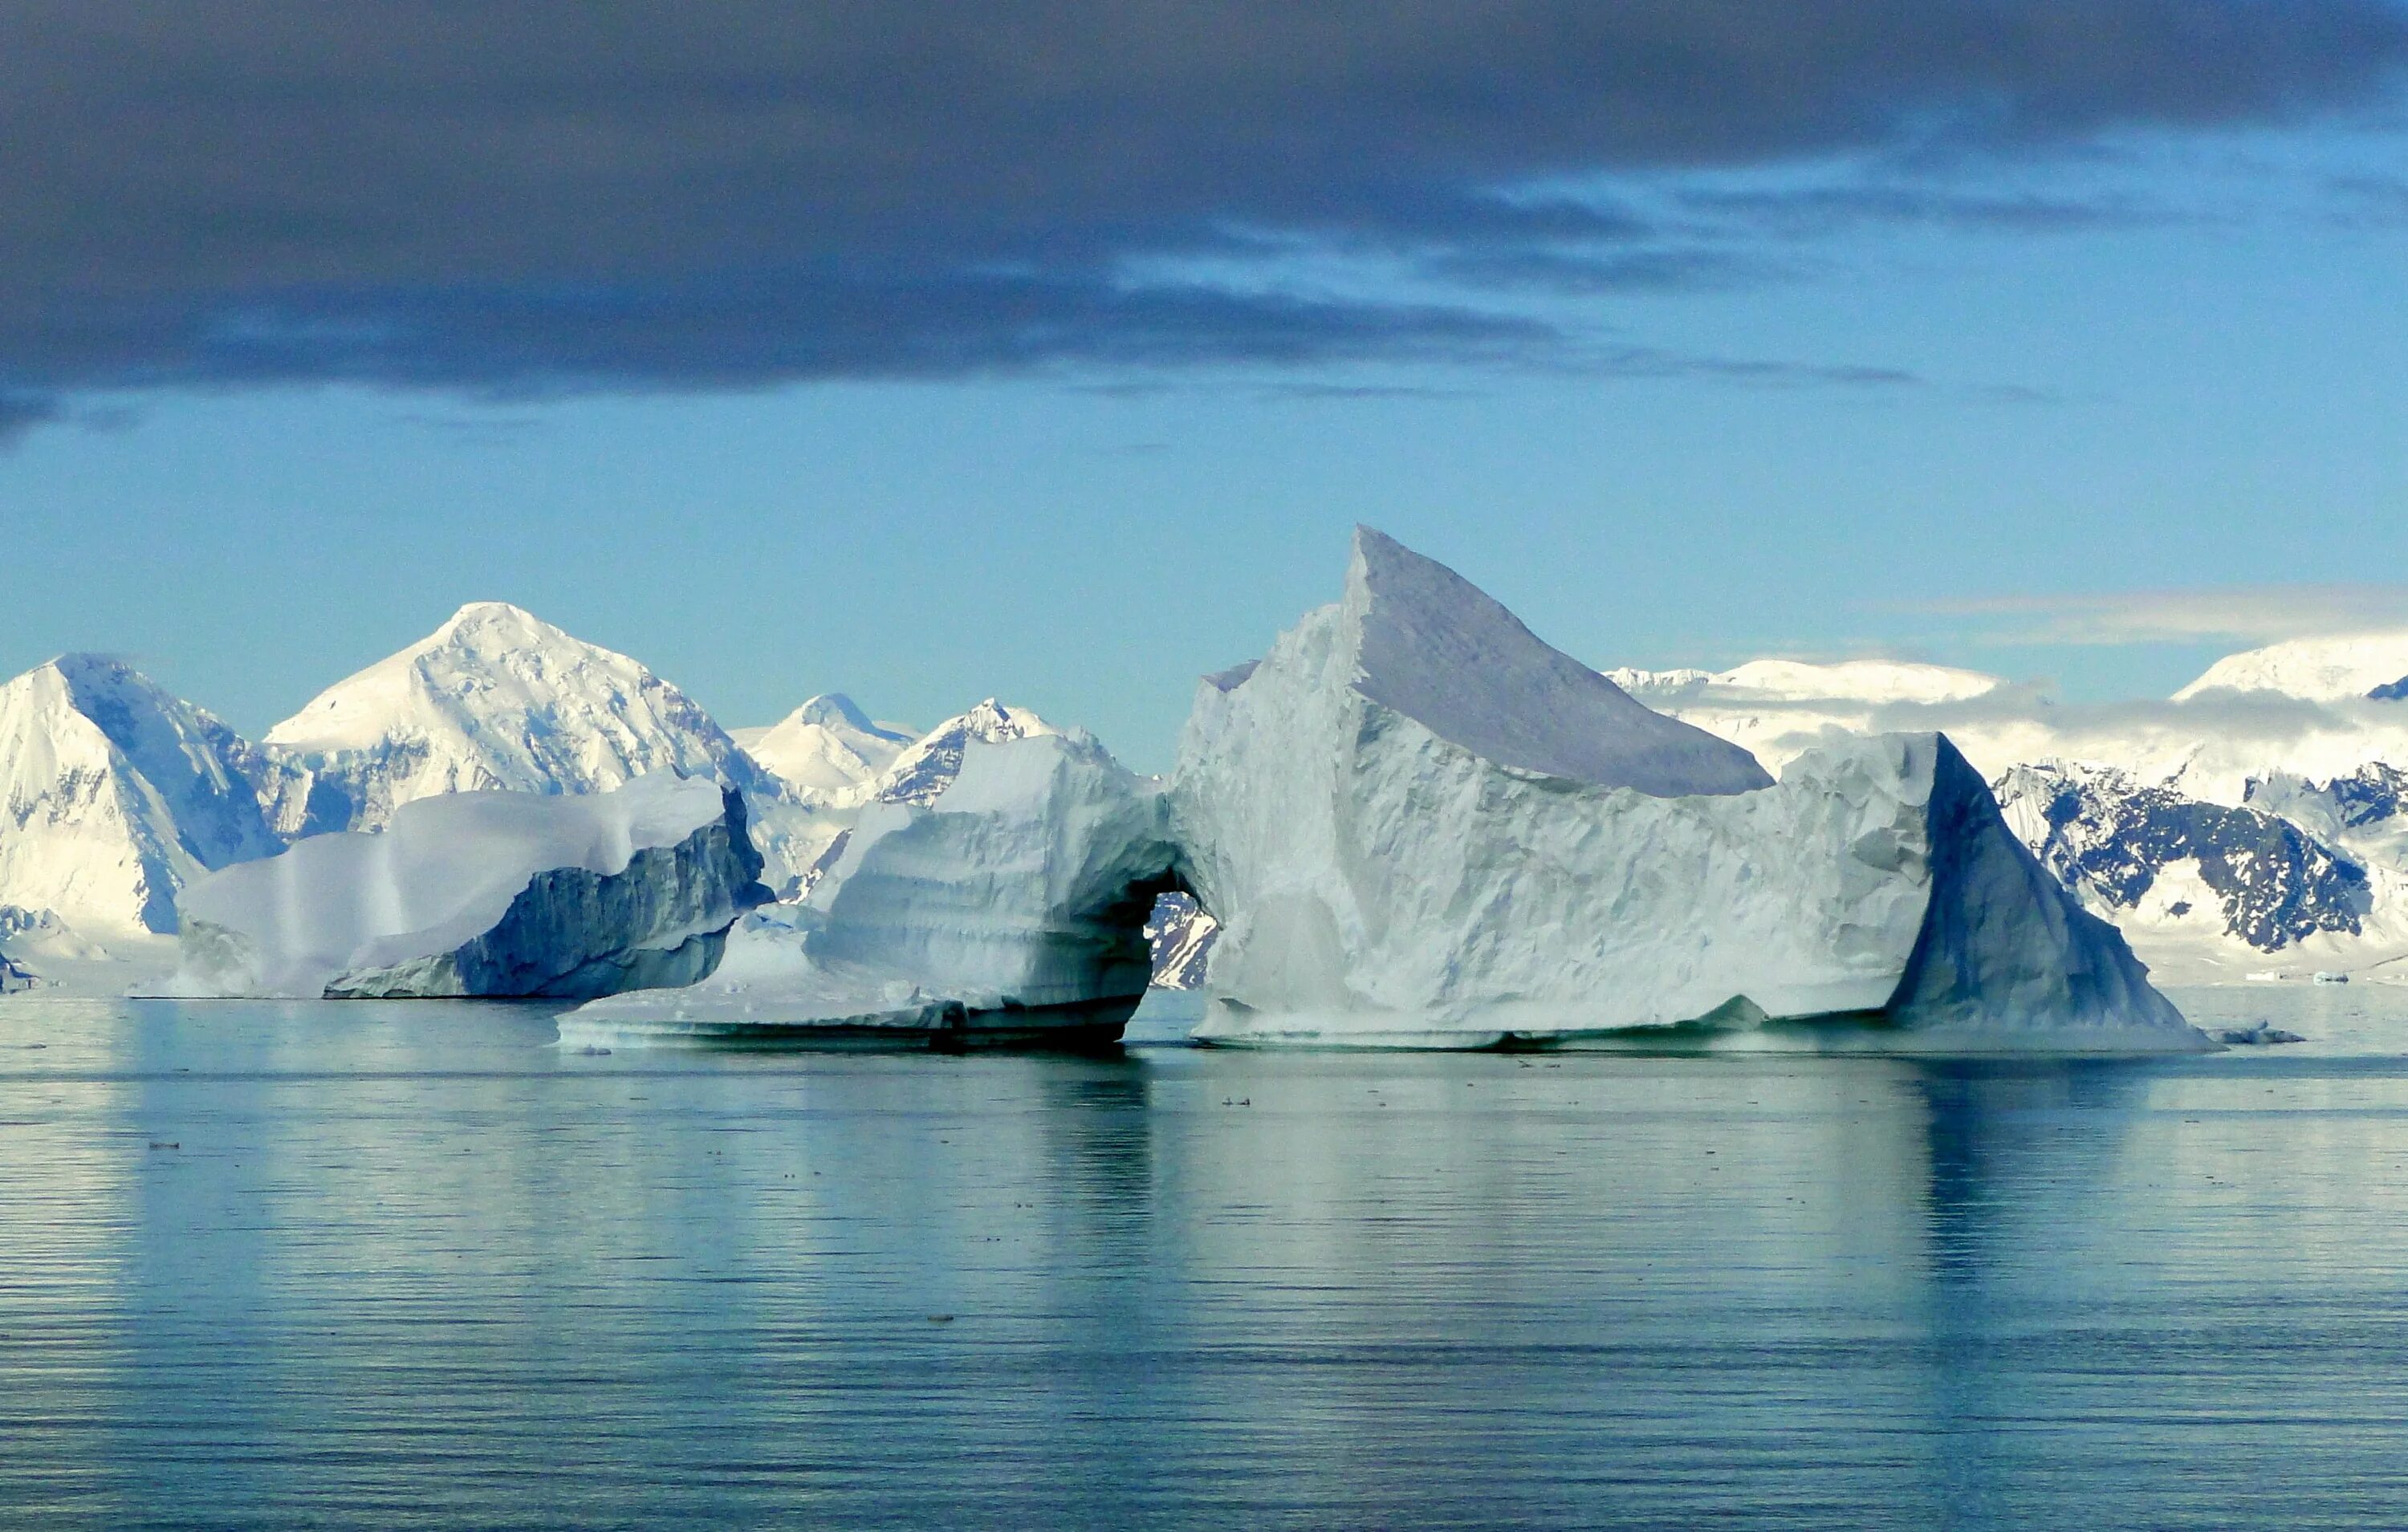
point(647, 195)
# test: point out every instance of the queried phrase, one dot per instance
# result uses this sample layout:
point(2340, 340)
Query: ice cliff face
point(494, 699)
point(485, 893)
point(1021, 888)
point(1398, 855)
point(114, 795)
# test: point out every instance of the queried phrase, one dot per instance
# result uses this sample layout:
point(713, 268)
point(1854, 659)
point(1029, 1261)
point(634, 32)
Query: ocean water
point(408, 1265)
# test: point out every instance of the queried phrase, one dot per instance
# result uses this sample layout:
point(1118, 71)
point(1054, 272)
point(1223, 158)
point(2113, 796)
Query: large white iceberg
point(1419, 825)
point(485, 893)
point(1009, 906)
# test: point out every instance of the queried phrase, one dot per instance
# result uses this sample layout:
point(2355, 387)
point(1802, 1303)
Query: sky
point(1050, 351)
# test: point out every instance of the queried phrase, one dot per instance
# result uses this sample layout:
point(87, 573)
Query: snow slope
point(495, 698)
point(1432, 646)
point(485, 893)
point(1382, 879)
point(825, 749)
point(1012, 901)
point(2348, 667)
point(114, 794)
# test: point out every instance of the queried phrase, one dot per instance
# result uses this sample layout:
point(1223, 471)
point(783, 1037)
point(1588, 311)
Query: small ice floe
point(2259, 1035)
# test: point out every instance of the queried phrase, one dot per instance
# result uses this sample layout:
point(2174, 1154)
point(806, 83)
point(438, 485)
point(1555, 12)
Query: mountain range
point(2255, 822)
point(2252, 824)
point(115, 795)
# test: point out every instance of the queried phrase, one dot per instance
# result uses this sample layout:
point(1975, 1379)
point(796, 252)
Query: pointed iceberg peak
point(1436, 647)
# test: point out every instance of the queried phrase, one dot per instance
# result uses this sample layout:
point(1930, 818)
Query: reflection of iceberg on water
point(1419, 825)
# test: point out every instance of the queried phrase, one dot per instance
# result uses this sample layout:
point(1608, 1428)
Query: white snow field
point(2331, 670)
point(1010, 907)
point(485, 893)
point(1417, 828)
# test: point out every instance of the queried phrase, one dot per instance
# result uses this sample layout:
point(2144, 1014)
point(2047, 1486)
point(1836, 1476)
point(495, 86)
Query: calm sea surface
point(395, 1266)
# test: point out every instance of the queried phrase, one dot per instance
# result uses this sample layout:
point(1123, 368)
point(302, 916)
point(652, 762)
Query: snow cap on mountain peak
point(2340, 667)
point(1439, 650)
point(827, 746)
point(830, 710)
point(496, 698)
point(922, 772)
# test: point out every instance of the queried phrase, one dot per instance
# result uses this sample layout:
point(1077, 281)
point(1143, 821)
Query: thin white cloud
point(2253, 614)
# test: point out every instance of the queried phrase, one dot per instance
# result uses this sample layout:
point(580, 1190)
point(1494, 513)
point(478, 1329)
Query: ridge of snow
point(2329, 669)
point(1435, 648)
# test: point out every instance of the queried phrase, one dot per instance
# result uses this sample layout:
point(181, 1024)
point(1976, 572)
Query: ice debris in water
point(2259, 1035)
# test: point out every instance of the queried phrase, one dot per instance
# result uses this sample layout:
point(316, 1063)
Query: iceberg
point(1009, 906)
point(487, 893)
point(1417, 824)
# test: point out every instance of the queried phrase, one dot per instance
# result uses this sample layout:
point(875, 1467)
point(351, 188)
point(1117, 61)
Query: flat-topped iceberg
point(1010, 906)
point(485, 893)
point(1419, 825)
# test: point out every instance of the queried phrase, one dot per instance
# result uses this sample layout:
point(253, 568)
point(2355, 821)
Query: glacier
point(491, 894)
point(1008, 905)
point(1419, 825)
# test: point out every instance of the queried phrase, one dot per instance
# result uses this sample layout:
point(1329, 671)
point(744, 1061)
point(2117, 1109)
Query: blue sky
point(2078, 371)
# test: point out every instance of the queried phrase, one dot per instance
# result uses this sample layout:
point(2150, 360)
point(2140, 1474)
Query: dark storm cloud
point(20, 413)
point(538, 195)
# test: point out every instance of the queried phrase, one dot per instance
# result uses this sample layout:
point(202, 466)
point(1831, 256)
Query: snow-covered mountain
point(113, 795)
point(494, 698)
point(928, 764)
point(2371, 665)
point(2252, 822)
point(2174, 867)
point(827, 749)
